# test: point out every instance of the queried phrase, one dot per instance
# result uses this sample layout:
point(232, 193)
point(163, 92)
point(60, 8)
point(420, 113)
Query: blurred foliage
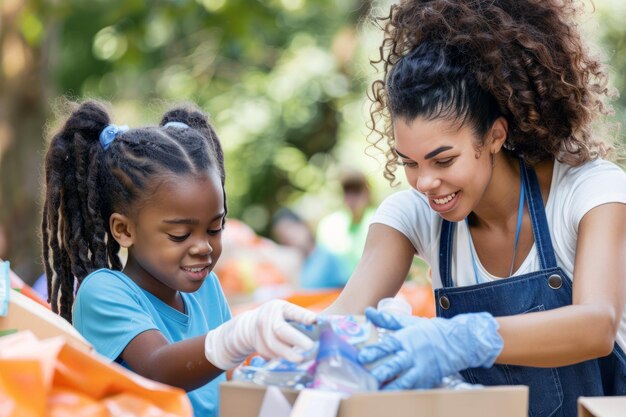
point(611, 37)
point(274, 74)
point(284, 81)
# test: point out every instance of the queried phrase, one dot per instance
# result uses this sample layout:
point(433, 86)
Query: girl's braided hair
point(476, 60)
point(85, 184)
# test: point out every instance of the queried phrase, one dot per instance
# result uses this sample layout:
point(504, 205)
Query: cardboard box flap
point(602, 406)
point(485, 402)
point(244, 399)
point(26, 314)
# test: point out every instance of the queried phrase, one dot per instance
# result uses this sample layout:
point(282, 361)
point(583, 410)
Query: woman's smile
point(442, 204)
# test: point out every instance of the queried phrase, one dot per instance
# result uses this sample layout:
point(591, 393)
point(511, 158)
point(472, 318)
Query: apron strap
point(445, 252)
point(539, 221)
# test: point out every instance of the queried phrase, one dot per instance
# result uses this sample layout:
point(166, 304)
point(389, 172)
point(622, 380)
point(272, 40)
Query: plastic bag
point(51, 378)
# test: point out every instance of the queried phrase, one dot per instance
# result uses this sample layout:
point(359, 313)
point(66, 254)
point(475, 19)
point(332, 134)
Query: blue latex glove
point(423, 351)
point(390, 321)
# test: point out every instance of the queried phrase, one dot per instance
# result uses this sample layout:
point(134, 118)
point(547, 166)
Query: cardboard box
point(244, 399)
point(601, 406)
point(26, 314)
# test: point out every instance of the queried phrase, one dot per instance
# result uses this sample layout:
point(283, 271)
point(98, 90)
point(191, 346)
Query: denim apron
point(553, 391)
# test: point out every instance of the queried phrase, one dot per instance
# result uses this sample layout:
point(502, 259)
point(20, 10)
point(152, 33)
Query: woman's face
point(443, 161)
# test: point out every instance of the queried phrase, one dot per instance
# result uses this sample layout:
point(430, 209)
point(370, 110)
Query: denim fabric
point(553, 391)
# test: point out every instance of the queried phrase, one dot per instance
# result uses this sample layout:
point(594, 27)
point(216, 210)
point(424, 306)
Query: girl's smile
point(197, 273)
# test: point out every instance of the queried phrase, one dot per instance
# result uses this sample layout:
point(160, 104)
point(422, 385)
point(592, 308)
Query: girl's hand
point(263, 330)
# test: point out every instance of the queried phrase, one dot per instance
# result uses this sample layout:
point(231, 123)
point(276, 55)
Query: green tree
point(23, 92)
point(277, 76)
point(283, 80)
point(612, 38)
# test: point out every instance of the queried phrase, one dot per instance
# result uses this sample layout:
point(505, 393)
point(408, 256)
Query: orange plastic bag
point(63, 402)
point(51, 378)
point(22, 389)
point(419, 296)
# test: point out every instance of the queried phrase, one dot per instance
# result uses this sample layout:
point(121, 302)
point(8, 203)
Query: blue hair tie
point(179, 125)
point(109, 133)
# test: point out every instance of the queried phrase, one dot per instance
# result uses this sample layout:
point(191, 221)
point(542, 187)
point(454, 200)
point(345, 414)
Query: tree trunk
point(22, 120)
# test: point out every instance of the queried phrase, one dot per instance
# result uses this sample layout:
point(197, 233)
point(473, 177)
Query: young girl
point(488, 107)
point(159, 192)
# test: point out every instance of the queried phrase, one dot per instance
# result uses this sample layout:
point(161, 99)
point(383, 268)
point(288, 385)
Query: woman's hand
point(423, 351)
point(263, 330)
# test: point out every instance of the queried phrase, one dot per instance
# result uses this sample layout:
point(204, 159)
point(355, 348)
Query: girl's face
point(174, 240)
point(441, 160)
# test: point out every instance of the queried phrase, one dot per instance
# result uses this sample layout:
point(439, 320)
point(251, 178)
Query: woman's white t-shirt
point(573, 192)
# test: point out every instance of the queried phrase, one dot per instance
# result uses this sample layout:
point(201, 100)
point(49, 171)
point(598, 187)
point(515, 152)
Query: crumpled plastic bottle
point(337, 366)
point(399, 306)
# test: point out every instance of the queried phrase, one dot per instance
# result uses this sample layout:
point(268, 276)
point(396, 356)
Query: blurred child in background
point(344, 231)
point(320, 267)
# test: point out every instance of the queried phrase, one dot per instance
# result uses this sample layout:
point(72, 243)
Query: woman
point(488, 106)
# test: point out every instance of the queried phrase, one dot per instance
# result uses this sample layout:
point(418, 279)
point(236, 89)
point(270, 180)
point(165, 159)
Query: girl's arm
point(193, 362)
point(386, 260)
point(586, 329)
point(182, 364)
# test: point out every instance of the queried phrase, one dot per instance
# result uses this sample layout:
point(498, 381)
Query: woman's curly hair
point(527, 54)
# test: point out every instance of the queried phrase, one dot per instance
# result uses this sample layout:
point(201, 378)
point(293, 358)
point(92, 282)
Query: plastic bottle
point(248, 372)
point(282, 373)
point(397, 306)
point(456, 381)
point(337, 366)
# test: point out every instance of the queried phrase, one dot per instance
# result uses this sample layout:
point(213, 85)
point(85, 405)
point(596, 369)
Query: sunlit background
point(283, 80)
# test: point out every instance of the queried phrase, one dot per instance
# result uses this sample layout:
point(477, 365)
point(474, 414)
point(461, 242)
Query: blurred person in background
point(320, 267)
point(253, 268)
point(344, 231)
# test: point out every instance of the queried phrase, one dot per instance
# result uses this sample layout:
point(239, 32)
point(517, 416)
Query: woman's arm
point(586, 329)
point(386, 260)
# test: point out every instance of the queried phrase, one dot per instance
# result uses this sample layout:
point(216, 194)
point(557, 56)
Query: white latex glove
point(263, 330)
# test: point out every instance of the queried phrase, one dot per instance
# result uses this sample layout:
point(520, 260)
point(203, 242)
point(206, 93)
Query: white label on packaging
point(317, 403)
point(274, 404)
point(5, 287)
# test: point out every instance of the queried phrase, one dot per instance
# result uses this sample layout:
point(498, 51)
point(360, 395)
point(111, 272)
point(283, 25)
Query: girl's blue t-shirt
point(110, 310)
